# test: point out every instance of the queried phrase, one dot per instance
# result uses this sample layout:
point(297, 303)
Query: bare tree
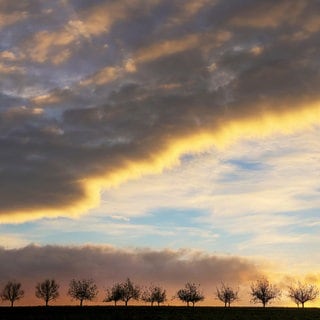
point(114, 294)
point(12, 292)
point(82, 290)
point(301, 293)
point(190, 293)
point(47, 290)
point(129, 291)
point(226, 294)
point(262, 291)
point(154, 294)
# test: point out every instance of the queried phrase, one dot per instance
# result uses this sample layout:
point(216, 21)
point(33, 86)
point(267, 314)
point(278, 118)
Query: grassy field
point(157, 313)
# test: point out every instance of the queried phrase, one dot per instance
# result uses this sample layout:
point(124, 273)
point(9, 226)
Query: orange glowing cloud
point(56, 46)
point(156, 51)
point(170, 47)
point(103, 76)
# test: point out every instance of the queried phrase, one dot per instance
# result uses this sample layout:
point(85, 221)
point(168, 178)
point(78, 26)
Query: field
point(157, 313)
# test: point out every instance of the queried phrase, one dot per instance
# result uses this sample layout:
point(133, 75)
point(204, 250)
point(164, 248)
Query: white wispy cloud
point(257, 189)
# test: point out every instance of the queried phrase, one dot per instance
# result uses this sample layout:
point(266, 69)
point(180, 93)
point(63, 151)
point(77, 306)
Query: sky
point(165, 141)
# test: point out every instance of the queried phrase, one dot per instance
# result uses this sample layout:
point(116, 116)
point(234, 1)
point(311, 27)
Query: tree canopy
point(301, 293)
point(114, 294)
point(154, 294)
point(124, 291)
point(263, 291)
point(81, 290)
point(12, 292)
point(47, 290)
point(226, 294)
point(190, 293)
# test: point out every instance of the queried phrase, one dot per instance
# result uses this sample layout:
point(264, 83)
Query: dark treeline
point(261, 291)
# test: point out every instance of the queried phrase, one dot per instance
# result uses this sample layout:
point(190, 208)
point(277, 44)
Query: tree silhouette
point(190, 293)
point(47, 290)
point(114, 294)
point(12, 292)
point(129, 291)
point(82, 290)
point(226, 294)
point(154, 294)
point(301, 293)
point(262, 291)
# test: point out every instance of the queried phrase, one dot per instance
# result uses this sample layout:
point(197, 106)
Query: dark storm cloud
point(112, 84)
point(107, 265)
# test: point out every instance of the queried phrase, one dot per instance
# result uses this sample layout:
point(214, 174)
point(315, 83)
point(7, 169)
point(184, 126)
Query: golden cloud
point(171, 150)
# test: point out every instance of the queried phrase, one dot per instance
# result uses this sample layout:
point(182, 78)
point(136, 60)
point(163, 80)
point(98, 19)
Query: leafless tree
point(190, 293)
point(262, 291)
point(12, 292)
point(47, 290)
point(129, 291)
point(154, 294)
point(82, 290)
point(226, 294)
point(301, 293)
point(114, 294)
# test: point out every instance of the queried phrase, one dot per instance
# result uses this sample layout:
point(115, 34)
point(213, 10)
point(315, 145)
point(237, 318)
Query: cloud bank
point(107, 265)
point(94, 94)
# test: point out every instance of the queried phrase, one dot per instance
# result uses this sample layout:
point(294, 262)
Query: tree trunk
point(126, 303)
point(302, 304)
point(115, 303)
point(47, 303)
point(225, 304)
point(81, 302)
point(193, 304)
point(12, 303)
point(187, 303)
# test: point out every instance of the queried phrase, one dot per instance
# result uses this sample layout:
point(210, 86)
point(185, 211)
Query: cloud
point(55, 45)
point(117, 104)
point(104, 76)
point(44, 41)
point(268, 14)
point(9, 18)
point(262, 194)
point(7, 69)
point(256, 198)
point(107, 265)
